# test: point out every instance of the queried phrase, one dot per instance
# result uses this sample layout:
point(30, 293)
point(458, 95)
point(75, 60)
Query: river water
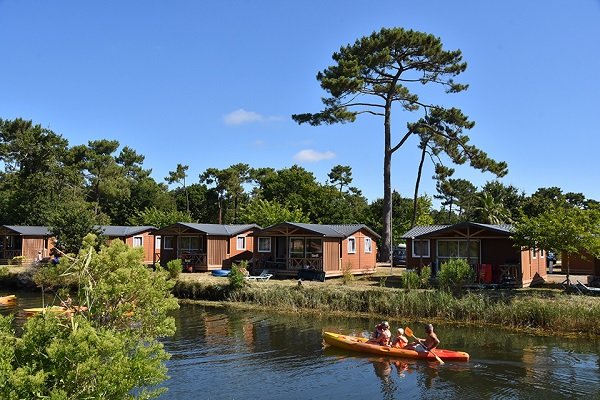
point(221, 353)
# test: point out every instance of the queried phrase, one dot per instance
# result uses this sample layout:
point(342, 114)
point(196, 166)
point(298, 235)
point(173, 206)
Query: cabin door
point(281, 249)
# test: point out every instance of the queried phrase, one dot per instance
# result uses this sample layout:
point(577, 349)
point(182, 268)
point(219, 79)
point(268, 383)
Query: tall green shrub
point(109, 350)
point(347, 277)
point(174, 267)
point(411, 280)
point(237, 276)
point(454, 274)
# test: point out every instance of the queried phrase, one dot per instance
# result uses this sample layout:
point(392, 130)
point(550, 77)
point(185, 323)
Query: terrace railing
point(305, 263)
point(192, 258)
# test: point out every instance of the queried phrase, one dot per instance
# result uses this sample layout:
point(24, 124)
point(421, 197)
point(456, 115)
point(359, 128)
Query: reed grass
point(531, 309)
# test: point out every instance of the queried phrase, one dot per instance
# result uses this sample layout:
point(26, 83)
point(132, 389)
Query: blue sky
point(211, 84)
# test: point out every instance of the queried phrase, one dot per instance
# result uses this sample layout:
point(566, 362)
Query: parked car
point(399, 257)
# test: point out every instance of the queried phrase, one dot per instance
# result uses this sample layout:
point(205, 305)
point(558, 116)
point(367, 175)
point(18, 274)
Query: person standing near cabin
point(429, 343)
point(55, 257)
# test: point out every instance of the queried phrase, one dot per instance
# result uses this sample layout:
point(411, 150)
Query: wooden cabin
point(205, 247)
point(581, 263)
point(290, 249)
point(31, 242)
point(134, 236)
point(489, 249)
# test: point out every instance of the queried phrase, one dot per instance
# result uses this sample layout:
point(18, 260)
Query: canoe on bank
point(359, 344)
point(54, 309)
point(220, 272)
point(38, 310)
point(11, 298)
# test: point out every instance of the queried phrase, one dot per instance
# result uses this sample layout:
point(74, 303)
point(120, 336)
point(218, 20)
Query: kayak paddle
point(409, 332)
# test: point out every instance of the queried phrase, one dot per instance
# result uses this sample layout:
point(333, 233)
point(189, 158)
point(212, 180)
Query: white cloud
point(310, 155)
point(242, 116)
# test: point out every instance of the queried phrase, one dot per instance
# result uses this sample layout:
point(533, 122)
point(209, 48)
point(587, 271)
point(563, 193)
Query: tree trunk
point(220, 211)
point(417, 183)
point(386, 239)
point(187, 197)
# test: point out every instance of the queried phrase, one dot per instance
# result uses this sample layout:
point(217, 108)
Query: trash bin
point(485, 273)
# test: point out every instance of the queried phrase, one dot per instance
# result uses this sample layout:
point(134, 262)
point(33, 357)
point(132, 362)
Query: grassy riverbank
point(543, 310)
point(540, 309)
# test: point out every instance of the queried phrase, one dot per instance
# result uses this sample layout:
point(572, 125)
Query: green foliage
point(70, 222)
point(347, 276)
point(411, 280)
point(152, 216)
point(454, 274)
point(76, 360)
point(108, 351)
point(266, 213)
point(507, 195)
point(340, 175)
point(492, 211)
point(17, 260)
point(561, 229)
point(228, 184)
point(425, 276)
point(414, 280)
point(237, 276)
point(402, 211)
point(174, 267)
point(457, 193)
point(179, 175)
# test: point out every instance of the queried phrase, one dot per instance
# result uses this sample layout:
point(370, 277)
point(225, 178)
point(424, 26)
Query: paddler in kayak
point(424, 345)
point(382, 334)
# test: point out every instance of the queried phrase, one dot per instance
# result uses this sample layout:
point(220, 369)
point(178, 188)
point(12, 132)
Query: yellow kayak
point(38, 310)
point(360, 344)
point(11, 298)
point(54, 309)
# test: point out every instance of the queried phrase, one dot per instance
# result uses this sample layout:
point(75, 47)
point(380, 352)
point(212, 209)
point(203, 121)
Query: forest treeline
point(45, 181)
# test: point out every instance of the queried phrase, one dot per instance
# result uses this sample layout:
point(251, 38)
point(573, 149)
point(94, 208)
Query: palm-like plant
point(491, 211)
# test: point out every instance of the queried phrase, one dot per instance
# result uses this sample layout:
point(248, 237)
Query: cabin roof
point(29, 230)
point(213, 229)
point(122, 231)
point(426, 230)
point(337, 231)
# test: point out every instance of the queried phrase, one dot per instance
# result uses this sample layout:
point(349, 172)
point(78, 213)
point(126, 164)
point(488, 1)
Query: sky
point(214, 83)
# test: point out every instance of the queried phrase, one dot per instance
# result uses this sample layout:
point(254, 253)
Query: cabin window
point(451, 249)
point(368, 245)
point(168, 242)
point(534, 253)
point(351, 245)
point(189, 243)
point(420, 248)
point(138, 241)
point(296, 247)
point(157, 242)
point(241, 243)
point(10, 242)
point(264, 244)
point(314, 248)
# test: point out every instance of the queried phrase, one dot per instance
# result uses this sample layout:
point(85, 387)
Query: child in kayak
point(400, 340)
